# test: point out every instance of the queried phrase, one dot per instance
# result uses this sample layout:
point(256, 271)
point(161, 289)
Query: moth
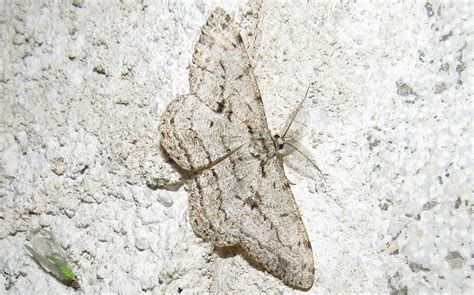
point(47, 252)
point(239, 194)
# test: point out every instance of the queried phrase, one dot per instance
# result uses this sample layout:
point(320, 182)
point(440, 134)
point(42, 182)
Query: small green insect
point(47, 252)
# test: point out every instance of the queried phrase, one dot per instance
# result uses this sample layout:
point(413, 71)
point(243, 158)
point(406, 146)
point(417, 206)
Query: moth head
point(278, 141)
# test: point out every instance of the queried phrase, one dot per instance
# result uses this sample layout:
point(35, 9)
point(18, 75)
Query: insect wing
point(45, 246)
point(298, 158)
point(44, 262)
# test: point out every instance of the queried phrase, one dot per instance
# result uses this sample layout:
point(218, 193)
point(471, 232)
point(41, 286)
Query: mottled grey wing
point(221, 74)
point(195, 136)
point(224, 109)
point(246, 200)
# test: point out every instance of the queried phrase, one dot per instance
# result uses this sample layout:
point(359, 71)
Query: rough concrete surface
point(83, 84)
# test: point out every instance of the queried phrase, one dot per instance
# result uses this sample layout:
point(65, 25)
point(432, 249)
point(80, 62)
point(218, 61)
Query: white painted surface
point(82, 88)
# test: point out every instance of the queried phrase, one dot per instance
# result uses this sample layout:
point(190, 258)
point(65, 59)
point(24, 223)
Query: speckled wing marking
point(225, 107)
point(221, 74)
point(249, 203)
point(240, 194)
point(195, 136)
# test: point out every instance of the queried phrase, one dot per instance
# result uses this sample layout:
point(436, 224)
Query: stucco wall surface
point(83, 84)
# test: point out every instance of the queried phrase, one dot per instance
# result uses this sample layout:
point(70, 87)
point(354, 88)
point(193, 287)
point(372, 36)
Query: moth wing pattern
point(257, 212)
point(240, 194)
point(224, 108)
point(195, 136)
point(221, 74)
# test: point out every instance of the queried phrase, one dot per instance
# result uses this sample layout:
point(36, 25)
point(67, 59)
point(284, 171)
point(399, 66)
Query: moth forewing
point(47, 252)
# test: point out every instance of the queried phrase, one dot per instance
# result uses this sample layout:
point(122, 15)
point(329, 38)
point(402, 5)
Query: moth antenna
point(293, 114)
point(309, 160)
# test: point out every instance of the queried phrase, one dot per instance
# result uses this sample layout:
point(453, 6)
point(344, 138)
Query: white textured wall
point(82, 87)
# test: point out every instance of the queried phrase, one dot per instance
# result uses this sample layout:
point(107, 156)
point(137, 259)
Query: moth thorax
point(259, 149)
